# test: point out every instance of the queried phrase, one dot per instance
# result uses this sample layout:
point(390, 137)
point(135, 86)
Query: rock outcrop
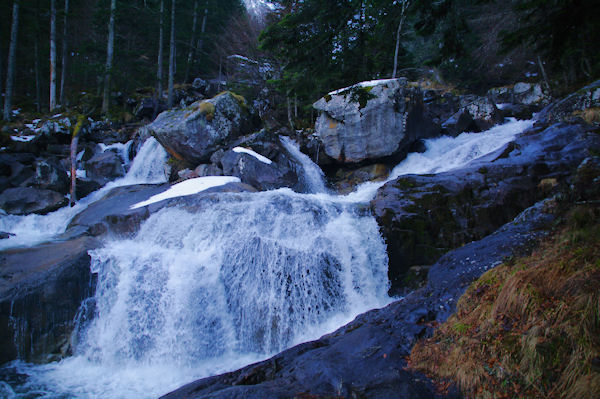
point(584, 104)
point(424, 216)
point(266, 166)
point(104, 167)
point(25, 200)
point(193, 133)
point(522, 93)
point(475, 114)
point(41, 289)
point(372, 120)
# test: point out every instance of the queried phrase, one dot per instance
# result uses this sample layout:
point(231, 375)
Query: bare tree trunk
point(201, 38)
point(12, 55)
point(159, 70)
point(192, 40)
point(1, 64)
point(220, 73)
point(541, 64)
point(73, 196)
point(52, 55)
point(289, 111)
point(109, 57)
point(171, 57)
point(405, 4)
point(63, 72)
point(73, 148)
point(38, 87)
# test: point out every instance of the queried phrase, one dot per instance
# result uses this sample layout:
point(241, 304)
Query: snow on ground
point(254, 154)
point(188, 187)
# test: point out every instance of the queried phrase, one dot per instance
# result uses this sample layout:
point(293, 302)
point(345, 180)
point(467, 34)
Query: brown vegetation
point(531, 326)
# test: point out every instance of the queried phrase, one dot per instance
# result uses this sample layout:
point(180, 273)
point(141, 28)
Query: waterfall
point(147, 167)
point(232, 279)
point(314, 179)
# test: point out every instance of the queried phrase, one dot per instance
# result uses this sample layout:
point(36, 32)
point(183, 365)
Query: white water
point(147, 167)
point(446, 153)
point(196, 293)
point(313, 175)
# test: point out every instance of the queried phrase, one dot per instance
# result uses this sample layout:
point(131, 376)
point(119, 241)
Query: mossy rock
point(207, 109)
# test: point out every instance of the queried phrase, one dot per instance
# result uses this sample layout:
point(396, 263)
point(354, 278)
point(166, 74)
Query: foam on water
point(201, 292)
point(313, 175)
point(446, 153)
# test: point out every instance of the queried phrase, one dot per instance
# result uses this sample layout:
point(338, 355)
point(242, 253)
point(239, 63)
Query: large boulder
point(423, 216)
point(41, 289)
point(193, 133)
point(147, 107)
point(104, 166)
point(262, 162)
point(51, 175)
point(116, 213)
point(372, 120)
point(26, 200)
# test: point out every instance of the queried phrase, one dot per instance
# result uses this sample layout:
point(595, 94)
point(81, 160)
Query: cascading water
point(147, 167)
point(208, 288)
point(313, 175)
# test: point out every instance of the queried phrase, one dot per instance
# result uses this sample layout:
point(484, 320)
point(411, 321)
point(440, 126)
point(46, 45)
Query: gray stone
point(192, 134)
point(41, 289)
point(104, 167)
point(583, 104)
point(256, 173)
point(522, 93)
point(371, 120)
point(26, 200)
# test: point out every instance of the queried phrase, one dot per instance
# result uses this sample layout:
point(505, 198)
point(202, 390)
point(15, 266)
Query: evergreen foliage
point(336, 43)
point(565, 33)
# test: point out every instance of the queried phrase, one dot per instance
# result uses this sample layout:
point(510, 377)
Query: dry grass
point(531, 326)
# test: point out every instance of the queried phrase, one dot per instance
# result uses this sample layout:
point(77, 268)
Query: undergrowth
point(529, 328)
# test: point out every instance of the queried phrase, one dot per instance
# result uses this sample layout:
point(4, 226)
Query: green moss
point(239, 98)
point(361, 95)
point(207, 109)
point(405, 183)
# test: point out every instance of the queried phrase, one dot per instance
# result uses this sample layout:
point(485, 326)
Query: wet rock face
point(281, 172)
point(193, 133)
point(41, 289)
point(25, 200)
point(105, 166)
point(372, 120)
point(422, 217)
